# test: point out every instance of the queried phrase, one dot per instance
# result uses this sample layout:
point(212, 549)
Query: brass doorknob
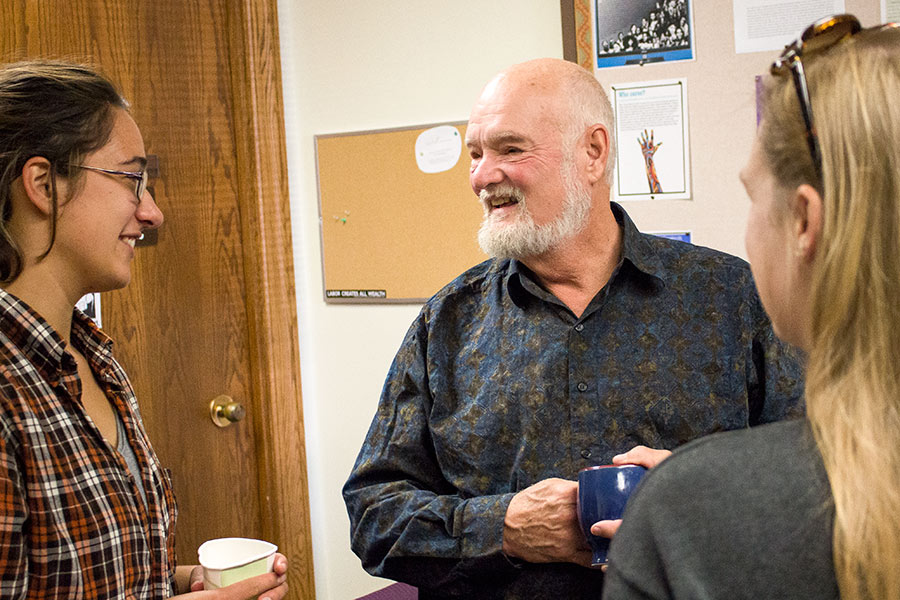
point(224, 411)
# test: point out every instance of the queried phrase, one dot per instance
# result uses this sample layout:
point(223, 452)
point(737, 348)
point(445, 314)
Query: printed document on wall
point(890, 11)
point(772, 24)
point(652, 154)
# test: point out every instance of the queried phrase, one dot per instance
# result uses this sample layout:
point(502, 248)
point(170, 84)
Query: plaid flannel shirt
point(72, 523)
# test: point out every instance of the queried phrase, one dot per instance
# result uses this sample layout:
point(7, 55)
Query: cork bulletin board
point(391, 231)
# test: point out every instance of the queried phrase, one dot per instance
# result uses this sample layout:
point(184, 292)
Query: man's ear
point(37, 181)
point(806, 209)
point(598, 152)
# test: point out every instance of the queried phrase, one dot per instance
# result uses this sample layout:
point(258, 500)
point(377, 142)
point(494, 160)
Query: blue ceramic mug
point(602, 494)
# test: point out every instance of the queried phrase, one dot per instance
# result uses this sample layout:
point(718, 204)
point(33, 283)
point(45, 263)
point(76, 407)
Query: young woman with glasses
point(810, 508)
point(86, 509)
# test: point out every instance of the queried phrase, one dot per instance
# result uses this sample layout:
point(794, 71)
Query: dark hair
point(59, 111)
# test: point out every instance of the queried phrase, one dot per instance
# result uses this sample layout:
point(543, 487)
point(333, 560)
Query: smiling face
point(98, 226)
point(522, 172)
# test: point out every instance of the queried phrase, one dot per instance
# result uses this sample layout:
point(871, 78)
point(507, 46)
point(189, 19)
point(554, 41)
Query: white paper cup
point(229, 560)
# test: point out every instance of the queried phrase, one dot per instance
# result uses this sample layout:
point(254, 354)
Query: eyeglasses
point(140, 178)
point(819, 36)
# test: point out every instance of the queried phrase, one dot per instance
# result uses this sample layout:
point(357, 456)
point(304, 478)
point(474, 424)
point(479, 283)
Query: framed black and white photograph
point(641, 31)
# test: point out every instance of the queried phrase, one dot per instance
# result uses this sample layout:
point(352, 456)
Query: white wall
point(357, 65)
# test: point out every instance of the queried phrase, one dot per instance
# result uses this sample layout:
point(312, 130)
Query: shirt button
point(585, 453)
point(579, 327)
point(582, 386)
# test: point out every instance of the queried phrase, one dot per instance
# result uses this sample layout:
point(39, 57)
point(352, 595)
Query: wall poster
point(638, 32)
point(652, 154)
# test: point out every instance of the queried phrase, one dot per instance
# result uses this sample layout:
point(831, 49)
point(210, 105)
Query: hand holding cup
point(229, 560)
point(603, 492)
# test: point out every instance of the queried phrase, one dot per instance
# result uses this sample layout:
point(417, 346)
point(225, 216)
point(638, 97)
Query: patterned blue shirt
point(498, 385)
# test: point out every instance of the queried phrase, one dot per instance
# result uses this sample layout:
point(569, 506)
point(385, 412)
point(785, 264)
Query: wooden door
point(211, 308)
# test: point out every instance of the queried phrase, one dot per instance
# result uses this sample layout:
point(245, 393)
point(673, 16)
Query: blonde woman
point(810, 508)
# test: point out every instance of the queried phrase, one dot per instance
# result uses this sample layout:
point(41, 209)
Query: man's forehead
point(491, 88)
point(515, 120)
point(475, 136)
point(508, 87)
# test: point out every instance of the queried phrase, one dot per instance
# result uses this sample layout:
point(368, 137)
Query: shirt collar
point(28, 330)
point(96, 345)
point(521, 283)
point(637, 250)
point(637, 247)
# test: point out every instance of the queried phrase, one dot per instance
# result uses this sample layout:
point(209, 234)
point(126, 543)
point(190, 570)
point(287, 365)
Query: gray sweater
point(743, 514)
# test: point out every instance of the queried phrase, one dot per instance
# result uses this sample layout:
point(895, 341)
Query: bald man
point(580, 342)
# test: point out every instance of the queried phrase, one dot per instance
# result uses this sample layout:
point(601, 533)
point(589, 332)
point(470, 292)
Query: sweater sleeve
point(637, 569)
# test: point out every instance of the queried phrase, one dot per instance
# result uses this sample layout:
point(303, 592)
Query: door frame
point(264, 204)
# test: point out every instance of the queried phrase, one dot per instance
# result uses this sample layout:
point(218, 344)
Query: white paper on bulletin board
point(890, 11)
point(652, 153)
point(761, 25)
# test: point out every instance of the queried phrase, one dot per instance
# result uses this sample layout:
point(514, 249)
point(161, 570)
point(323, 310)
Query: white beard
point(517, 236)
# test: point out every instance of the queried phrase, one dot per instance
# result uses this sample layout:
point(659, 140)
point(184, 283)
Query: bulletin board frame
point(391, 233)
point(577, 33)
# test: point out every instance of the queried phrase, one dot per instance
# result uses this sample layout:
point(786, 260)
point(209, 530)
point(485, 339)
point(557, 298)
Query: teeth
point(496, 201)
point(130, 241)
point(500, 195)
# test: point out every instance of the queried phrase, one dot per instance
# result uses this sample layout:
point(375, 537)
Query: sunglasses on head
point(819, 36)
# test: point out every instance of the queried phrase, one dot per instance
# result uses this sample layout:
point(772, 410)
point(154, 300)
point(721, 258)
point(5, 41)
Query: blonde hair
point(853, 373)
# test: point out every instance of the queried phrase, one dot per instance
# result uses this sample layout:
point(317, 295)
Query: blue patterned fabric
point(498, 385)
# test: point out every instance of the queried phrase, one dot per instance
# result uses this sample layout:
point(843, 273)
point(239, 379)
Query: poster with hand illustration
point(652, 155)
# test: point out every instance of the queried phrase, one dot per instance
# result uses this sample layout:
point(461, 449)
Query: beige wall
point(358, 65)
